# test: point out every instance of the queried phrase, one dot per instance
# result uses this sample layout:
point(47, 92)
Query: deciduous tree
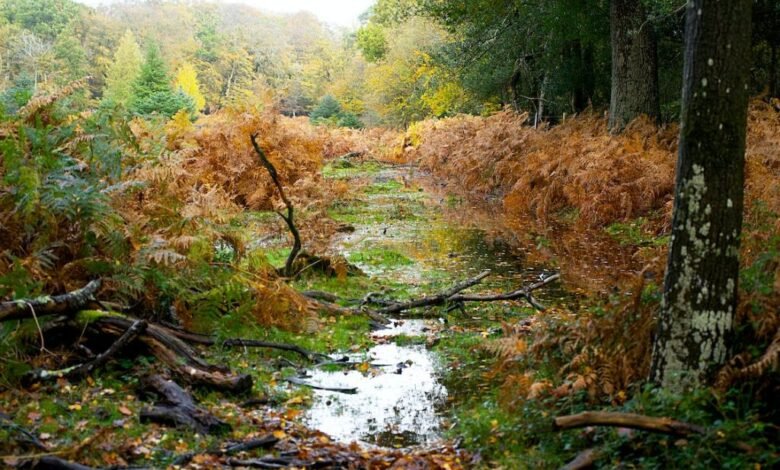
point(700, 289)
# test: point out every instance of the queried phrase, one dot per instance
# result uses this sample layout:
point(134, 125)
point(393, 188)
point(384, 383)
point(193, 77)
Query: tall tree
point(634, 64)
point(152, 90)
point(124, 71)
point(187, 83)
point(700, 289)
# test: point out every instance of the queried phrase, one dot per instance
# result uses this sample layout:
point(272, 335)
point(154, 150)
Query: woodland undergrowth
point(598, 206)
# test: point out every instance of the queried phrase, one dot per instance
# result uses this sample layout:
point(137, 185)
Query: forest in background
point(144, 175)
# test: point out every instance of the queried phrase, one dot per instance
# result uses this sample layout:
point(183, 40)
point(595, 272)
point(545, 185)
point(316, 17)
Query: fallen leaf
point(125, 410)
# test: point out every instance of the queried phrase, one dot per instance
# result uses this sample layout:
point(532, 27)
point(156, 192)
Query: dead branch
point(296, 381)
point(20, 434)
point(585, 459)
point(80, 370)
point(437, 299)
point(179, 409)
point(253, 343)
point(452, 296)
point(174, 353)
point(264, 442)
point(50, 462)
point(524, 293)
point(49, 305)
point(627, 420)
point(296, 248)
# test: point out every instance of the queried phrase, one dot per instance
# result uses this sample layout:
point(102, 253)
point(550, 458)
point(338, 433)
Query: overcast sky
point(338, 12)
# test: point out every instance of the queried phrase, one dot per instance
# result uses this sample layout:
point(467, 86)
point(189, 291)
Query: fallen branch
point(260, 443)
point(50, 462)
point(21, 435)
point(179, 409)
point(438, 299)
point(296, 381)
point(171, 351)
point(70, 302)
point(254, 343)
point(80, 370)
point(627, 420)
point(288, 219)
point(524, 293)
point(584, 459)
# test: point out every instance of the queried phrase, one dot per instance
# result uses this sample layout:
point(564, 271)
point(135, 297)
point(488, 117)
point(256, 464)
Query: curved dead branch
point(70, 302)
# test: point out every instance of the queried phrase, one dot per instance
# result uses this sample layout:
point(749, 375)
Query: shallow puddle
point(396, 400)
point(404, 236)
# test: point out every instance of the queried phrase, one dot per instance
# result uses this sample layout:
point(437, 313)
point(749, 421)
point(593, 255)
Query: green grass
point(380, 257)
point(338, 170)
point(635, 232)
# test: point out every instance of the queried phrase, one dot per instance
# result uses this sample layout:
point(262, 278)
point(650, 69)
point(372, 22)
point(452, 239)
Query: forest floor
point(434, 389)
point(410, 376)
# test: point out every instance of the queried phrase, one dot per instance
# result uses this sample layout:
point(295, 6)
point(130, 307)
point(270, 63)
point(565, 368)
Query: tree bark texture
point(700, 288)
point(634, 64)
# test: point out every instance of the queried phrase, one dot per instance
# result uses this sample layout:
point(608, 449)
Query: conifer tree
point(124, 70)
point(152, 90)
point(187, 83)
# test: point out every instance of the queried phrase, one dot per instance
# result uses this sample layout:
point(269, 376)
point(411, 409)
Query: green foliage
point(329, 111)
point(124, 71)
point(371, 42)
point(45, 18)
point(152, 90)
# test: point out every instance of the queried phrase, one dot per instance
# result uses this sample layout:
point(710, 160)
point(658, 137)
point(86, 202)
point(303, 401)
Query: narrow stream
point(400, 400)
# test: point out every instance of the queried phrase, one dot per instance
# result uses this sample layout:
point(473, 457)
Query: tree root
point(179, 409)
point(264, 442)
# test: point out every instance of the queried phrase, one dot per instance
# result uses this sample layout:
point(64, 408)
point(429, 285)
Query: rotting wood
point(289, 218)
point(524, 293)
point(70, 302)
point(179, 409)
point(179, 357)
point(86, 368)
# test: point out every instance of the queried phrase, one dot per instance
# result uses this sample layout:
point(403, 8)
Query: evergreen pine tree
point(152, 90)
point(124, 71)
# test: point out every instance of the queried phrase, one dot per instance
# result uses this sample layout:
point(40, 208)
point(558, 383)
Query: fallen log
point(171, 351)
point(179, 409)
point(70, 302)
point(437, 299)
point(627, 420)
point(81, 370)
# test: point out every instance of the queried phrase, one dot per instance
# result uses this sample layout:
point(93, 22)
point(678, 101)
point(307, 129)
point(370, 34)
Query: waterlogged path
point(410, 242)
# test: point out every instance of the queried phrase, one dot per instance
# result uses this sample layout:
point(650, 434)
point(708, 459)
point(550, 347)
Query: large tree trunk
point(700, 289)
point(634, 64)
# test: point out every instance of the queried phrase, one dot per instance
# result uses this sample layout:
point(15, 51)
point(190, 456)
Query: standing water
point(399, 399)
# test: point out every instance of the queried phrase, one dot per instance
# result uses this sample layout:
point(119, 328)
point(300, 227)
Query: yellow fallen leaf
point(279, 434)
point(75, 407)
